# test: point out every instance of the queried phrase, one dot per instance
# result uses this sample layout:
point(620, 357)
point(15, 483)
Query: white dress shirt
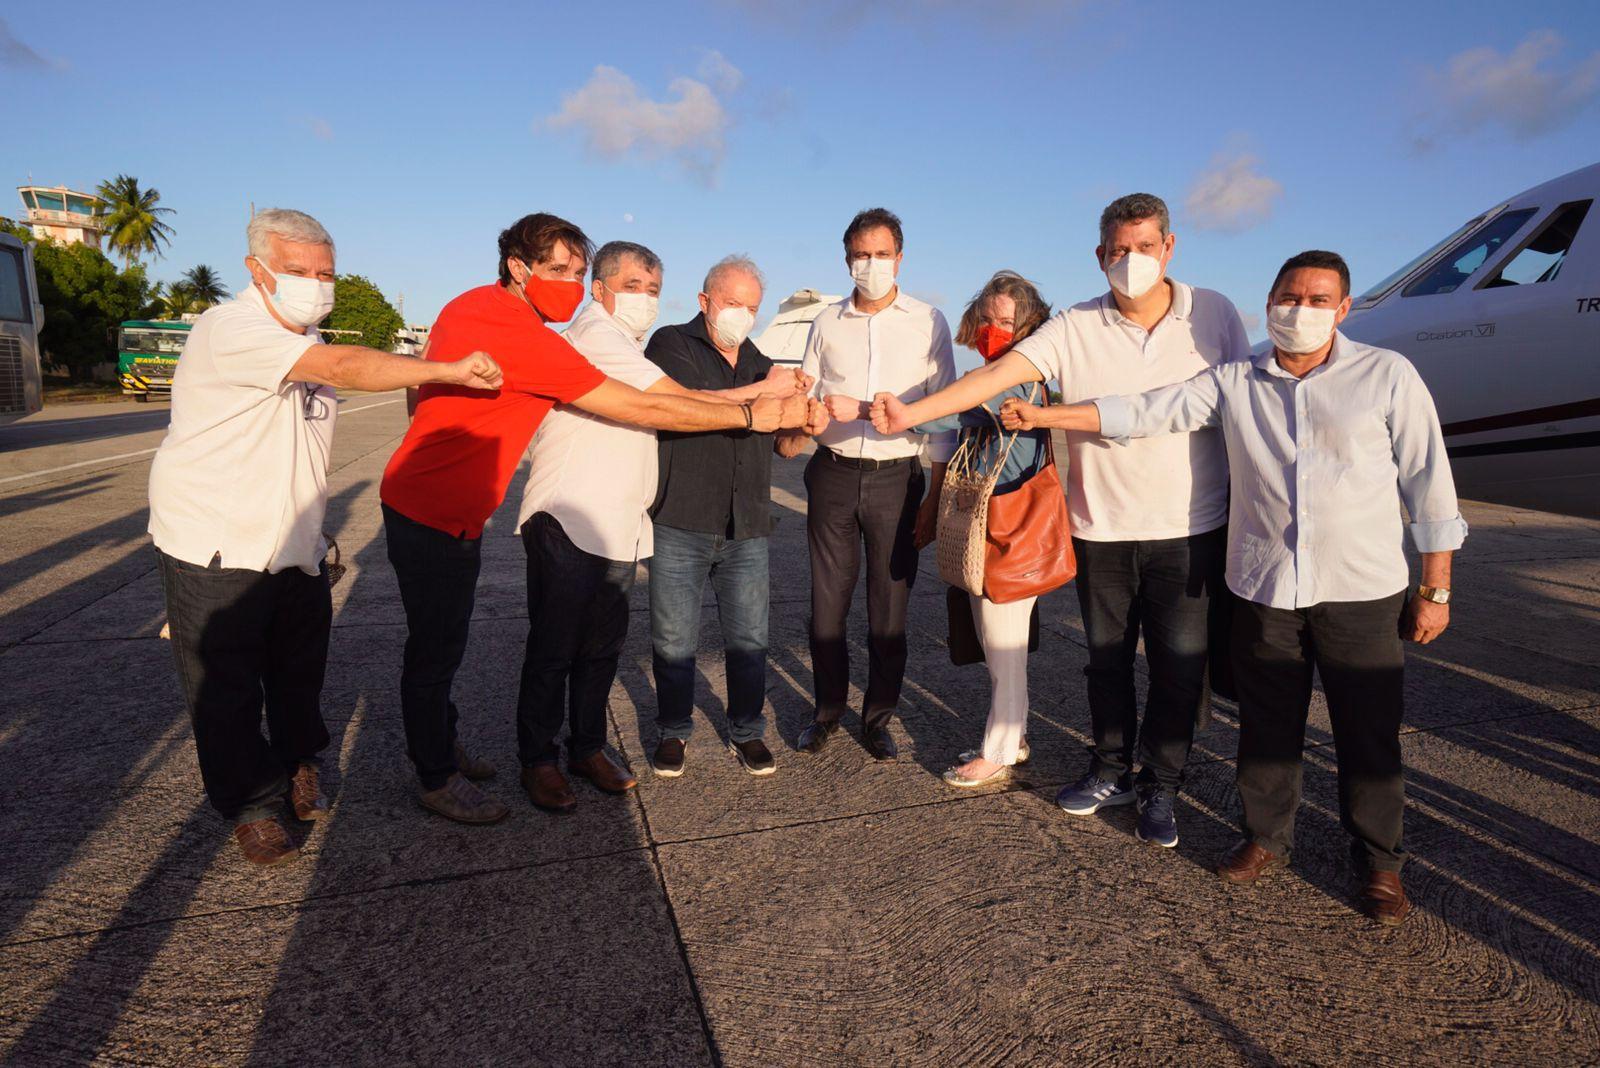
point(595, 477)
point(903, 349)
point(1320, 467)
point(1165, 487)
point(243, 470)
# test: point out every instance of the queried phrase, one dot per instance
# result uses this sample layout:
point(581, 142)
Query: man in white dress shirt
point(866, 488)
point(238, 490)
point(1326, 439)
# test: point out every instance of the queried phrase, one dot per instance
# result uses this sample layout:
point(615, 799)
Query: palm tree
point(206, 285)
point(133, 223)
point(180, 300)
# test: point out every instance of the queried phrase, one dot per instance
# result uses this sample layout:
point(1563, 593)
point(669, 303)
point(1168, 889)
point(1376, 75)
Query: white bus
point(21, 316)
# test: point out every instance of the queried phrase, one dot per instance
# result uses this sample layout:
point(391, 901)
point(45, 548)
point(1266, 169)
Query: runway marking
point(147, 452)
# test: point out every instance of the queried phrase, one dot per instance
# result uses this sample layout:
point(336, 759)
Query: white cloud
point(627, 216)
point(1525, 92)
point(1232, 196)
point(17, 53)
point(617, 120)
point(717, 72)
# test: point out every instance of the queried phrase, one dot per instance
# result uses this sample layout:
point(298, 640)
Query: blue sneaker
point(1091, 793)
point(1157, 822)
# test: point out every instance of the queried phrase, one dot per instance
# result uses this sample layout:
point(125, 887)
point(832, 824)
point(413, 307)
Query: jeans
point(683, 560)
point(244, 641)
point(1355, 647)
point(577, 621)
point(846, 508)
point(438, 576)
point(1163, 588)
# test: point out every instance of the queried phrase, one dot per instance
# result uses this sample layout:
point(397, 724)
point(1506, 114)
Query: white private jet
point(1502, 319)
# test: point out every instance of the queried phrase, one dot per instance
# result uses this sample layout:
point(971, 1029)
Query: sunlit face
point(631, 277)
point(999, 312)
point(874, 244)
point(1315, 287)
point(562, 265)
point(1143, 235)
point(732, 289)
point(301, 259)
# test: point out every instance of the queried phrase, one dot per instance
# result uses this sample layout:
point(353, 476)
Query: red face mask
point(554, 298)
point(992, 341)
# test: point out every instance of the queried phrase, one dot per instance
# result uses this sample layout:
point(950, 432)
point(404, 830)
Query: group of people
point(1204, 484)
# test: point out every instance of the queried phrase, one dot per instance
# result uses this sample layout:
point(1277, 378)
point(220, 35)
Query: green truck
point(147, 356)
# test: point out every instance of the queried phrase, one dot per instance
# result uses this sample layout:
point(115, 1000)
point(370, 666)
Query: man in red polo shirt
point(453, 468)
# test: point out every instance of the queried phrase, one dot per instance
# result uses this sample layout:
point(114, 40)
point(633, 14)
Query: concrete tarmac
point(839, 912)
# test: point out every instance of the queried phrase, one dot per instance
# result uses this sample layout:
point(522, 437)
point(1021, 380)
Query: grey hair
point(728, 264)
point(288, 224)
point(608, 261)
point(1132, 208)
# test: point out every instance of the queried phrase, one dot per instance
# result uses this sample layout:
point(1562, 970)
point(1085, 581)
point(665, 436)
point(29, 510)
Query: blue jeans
point(683, 560)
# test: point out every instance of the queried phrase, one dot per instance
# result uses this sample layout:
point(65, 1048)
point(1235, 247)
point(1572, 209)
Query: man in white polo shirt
point(1149, 520)
point(865, 488)
point(585, 525)
point(238, 490)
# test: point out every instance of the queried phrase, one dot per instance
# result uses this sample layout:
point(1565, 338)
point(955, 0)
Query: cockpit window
point(1541, 258)
point(1469, 254)
point(1394, 279)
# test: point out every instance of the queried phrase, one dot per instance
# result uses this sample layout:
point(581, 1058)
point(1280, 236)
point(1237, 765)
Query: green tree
point(206, 285)
point(133, 223)
point(85, 299)
point(359, 305)
point(180, 299)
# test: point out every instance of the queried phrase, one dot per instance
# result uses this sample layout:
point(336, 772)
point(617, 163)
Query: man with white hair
point(585, 523)
point(712, 521)
point(238, 490)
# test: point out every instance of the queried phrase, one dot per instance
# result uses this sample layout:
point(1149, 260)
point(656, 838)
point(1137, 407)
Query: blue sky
point(997, 130)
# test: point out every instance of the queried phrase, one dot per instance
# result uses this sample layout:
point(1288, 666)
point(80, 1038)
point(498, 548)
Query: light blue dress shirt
point(1319, 467)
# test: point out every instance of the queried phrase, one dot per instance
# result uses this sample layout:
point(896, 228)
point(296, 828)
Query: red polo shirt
point(452, 470)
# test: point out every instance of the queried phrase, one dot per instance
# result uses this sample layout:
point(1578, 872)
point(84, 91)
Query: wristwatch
point(1436, 594)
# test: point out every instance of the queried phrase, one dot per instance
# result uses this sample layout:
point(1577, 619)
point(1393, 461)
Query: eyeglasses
point(315, 407)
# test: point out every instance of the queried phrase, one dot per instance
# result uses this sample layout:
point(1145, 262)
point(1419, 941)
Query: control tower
point(63, 215)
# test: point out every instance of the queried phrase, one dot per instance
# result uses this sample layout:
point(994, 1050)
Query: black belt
point(862, 463)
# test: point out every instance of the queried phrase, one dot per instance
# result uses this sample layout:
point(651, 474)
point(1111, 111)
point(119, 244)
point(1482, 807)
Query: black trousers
point(1164, 589)
point(848, 507)
point(1355, 647)
point(577, 622)
point(438, 576)
point(244, 641)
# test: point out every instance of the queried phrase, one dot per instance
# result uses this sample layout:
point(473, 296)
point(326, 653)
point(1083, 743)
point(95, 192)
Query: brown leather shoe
point(474, 768)
point(547, 788)
point(305, 794)
point(463, 802)
point(265, 842)
point(1246, 862)
point(1384, 898)
point(604, 772)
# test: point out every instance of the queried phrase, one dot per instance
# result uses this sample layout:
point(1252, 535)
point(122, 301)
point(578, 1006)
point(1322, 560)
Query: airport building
point(63, 215)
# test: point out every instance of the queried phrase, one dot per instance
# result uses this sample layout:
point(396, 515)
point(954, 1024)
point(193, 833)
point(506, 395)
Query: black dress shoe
point(880, 743)
point(816, 735)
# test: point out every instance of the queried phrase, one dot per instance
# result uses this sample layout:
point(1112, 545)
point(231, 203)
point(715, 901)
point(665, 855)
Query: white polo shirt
point(595, 477)
point(903, 349)
point(243, 470)
point(1152, 488)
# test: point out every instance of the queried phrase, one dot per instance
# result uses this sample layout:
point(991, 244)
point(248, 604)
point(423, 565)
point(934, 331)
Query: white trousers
point(1003, 630)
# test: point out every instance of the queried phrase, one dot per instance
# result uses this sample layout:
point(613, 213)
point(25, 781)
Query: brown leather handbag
point(1029, 549)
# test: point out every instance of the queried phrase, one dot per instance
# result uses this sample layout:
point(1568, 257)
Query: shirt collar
point(1182, 304)
point(899, 302)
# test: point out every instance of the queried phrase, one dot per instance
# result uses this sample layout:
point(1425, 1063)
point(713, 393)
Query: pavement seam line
point(672, 912)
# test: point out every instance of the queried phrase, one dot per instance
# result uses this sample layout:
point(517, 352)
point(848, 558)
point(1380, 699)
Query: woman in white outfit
point(1006, 310)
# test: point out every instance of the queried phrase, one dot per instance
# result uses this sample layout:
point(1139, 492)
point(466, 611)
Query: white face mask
point(732, 326)
point(874, 277)
point(636, 312)
point(300, 301)
point(1134, 275)
point(1299, 328)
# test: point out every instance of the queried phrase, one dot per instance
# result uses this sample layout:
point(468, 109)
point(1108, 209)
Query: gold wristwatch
point(1436, 594)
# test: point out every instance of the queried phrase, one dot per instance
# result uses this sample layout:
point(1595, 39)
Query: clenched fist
point(843, 409)
point(889, 414)
point(766, 414)
point(1018, 414)
point(816, 418)
point(795, 409)
point(475, 371)
point(781, 382)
